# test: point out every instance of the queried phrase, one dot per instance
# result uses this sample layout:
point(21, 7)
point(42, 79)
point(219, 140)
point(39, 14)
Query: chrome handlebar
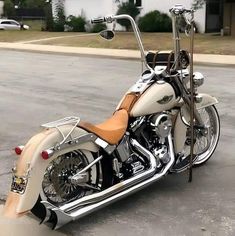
point(111, 19)
point(176, 11)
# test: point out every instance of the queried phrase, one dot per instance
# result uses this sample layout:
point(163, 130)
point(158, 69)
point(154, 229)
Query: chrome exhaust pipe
point(81, 207)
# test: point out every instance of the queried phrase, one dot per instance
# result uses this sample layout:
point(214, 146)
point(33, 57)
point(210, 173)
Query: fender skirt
point(31, 167)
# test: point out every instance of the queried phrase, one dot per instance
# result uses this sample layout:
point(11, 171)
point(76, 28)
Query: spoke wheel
point(56, 186)
point(204, 144)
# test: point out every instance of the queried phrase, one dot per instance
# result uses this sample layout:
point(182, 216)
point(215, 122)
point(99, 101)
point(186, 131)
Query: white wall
point(165, 5)
point(89, 8)
point(97, 8)
point(1, 7)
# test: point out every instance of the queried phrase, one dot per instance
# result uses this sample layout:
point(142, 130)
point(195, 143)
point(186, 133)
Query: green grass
point(204, 43)
point(34, 24)
point(27, 35)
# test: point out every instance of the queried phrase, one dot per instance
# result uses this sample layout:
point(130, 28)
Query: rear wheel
point(57, 187)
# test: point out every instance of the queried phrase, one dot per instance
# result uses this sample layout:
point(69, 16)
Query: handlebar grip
point(98, 20)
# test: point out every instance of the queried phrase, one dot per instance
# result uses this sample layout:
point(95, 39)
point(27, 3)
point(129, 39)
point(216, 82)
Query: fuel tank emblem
point(165, 99)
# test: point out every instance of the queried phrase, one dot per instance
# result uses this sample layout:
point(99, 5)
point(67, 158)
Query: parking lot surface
point(38, 88)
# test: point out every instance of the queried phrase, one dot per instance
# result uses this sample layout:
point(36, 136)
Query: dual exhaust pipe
point(88, 204)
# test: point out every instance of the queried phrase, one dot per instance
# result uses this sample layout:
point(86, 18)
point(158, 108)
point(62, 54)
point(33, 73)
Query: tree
point(60, 18)
point(155, 21)
point(9, 8)
point(49, 23)
point(198, 4)
point(30, 3)
point(130, 9)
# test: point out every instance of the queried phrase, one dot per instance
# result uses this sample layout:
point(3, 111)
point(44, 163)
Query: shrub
point(155, 21)
point(9, 8)
point(98, 27)
point(49, 22)
point(76, 24)
point(130, 9)
point(59, 20)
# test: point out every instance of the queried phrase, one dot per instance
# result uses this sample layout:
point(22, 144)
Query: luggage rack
point(70, 120)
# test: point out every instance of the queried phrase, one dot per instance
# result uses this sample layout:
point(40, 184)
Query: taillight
point(46, 154)
point(19, 150)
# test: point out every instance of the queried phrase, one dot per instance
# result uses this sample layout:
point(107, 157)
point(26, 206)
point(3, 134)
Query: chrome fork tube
point(176, 40)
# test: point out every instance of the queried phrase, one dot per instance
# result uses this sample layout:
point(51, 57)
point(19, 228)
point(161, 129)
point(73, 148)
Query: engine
point(151, 132)
point(161, 126)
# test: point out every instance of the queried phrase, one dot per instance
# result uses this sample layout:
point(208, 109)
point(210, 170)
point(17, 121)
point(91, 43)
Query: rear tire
point(57, 178)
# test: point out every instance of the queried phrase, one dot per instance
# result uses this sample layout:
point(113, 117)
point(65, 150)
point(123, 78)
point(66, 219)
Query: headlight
point(198, 79)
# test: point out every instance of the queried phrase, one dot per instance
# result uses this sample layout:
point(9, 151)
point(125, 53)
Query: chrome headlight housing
point(198, 79)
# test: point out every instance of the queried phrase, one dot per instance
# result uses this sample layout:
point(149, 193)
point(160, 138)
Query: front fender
point(183, 119)
point(32, 165)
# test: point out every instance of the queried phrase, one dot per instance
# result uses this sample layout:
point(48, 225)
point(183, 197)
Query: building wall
point(96, 8)
point(1, 8)
point(164, 6)
point(89, 8)
point(229, 19)
point(233, 20)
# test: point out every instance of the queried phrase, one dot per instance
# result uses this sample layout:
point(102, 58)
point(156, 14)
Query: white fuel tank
point(159, 97)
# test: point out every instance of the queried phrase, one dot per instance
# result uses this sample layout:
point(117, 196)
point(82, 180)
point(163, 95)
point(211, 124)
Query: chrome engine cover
point(161, 124)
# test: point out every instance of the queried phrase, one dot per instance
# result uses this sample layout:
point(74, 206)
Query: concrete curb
point(199, 59)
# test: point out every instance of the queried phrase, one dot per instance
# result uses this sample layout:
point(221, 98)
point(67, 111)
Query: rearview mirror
point(107, 34)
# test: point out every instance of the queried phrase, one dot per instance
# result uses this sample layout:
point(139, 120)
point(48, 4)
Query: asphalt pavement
point(38, 88)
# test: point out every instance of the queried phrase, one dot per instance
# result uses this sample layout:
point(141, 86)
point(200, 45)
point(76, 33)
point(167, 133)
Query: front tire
point(214, 132)
point(204, 144)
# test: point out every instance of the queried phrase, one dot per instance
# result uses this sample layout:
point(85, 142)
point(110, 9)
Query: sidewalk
point(205, 59)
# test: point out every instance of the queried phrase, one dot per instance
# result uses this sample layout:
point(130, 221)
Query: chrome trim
point(77, 177)
point(198, 79)
point(86, 205)
point(118, 187)
point(90, 137)
point(65, 121)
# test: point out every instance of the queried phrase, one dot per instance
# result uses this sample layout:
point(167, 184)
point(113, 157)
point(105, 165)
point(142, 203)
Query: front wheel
point(206, 145)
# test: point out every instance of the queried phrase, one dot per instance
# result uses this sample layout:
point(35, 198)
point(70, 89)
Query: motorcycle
point(72, 168)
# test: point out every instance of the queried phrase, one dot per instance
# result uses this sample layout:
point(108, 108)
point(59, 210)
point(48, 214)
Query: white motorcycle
point(72, 168)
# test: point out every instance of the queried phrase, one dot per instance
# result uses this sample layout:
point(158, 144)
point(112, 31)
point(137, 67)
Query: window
point(9, 23)
point(14, 23)
point(6, 23)
point(138, 3)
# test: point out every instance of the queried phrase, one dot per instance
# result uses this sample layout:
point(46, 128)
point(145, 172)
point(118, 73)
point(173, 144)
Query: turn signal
point(19, 150)
point(46, 154)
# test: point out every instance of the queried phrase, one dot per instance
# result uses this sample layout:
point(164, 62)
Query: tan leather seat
point(112, 130)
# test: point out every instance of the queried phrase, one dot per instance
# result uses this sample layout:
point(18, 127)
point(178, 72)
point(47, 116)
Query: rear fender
point(32, 166)
point(183, 120)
